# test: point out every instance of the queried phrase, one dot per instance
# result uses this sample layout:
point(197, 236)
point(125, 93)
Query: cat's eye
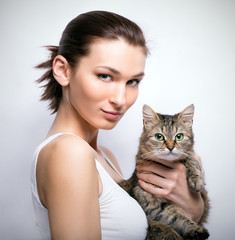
point(179, 137)
point(159, 137)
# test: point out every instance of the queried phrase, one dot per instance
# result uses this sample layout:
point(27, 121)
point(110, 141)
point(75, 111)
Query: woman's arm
point(71, 190)
point(170, 177)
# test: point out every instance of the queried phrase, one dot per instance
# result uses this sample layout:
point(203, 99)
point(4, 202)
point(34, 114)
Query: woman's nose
point(118, 96)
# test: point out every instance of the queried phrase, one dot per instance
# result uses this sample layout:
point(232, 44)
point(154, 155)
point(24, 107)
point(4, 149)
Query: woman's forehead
point(117, 54)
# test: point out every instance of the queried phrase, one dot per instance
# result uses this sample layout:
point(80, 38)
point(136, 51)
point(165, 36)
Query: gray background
point(192, 60)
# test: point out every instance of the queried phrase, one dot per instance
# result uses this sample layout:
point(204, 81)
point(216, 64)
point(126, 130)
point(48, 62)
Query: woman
point(92, 80)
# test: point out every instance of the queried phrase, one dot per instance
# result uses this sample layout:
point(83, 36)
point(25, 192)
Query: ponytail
point(75, 43)
point(52, 89)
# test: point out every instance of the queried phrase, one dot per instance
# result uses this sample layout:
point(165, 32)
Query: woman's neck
point(68, 120)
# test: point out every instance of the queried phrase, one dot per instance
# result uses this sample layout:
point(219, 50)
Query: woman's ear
point(61, 70)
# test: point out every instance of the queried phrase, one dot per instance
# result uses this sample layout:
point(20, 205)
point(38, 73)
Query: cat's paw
point(196, 184)
point(160, 231)
point(165, 236)
point(199, 233)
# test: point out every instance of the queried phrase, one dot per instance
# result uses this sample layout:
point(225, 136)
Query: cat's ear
point(187, 115)
point(149, 116)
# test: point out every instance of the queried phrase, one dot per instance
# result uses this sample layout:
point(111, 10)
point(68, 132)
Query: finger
point(166, 163)
point(162, 170)
point(196, 157)
point(153, 168)
point(156, 180)
point(153, 189)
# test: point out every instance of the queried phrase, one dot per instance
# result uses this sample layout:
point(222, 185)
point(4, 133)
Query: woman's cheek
point(132, 97)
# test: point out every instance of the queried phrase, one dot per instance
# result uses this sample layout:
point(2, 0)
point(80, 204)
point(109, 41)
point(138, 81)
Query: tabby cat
point(168, 137)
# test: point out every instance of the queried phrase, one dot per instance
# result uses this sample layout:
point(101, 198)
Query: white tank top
point(121, 216)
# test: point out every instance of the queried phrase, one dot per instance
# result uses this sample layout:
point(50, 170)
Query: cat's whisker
point(185, 154)
point(149, 155)
point(162, 141)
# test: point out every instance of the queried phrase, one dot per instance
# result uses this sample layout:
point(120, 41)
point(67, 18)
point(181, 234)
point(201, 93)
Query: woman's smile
point(112, 115)
point(105, 83)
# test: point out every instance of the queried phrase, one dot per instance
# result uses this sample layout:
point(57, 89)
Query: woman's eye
point(159, 137)
point(133, 82)
point(179, 137)
point(104, 77)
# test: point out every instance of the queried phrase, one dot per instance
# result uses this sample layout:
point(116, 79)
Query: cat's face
point(167, 137)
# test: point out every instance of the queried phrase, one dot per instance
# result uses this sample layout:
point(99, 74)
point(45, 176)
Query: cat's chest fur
point(168, 137)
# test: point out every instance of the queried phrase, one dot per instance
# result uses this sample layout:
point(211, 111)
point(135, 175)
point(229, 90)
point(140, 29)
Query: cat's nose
point(170, 147)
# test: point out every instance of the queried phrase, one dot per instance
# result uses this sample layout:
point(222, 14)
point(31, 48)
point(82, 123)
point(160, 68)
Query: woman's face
point(105, 83)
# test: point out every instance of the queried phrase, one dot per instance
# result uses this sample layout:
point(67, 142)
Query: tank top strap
point(111, 163)
point(54, 136)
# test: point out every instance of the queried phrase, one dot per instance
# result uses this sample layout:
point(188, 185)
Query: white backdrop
point(192, 60)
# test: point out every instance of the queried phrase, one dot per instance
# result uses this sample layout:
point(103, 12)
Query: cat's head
point(168, 137)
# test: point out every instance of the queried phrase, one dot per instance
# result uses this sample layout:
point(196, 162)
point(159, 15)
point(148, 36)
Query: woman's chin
point(109, 126)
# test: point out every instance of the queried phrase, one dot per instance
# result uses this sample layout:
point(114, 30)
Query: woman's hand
point(168, 180)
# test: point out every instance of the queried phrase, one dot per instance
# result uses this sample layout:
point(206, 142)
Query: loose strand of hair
point(51, 87)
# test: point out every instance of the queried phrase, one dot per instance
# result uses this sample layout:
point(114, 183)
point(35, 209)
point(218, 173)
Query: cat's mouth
point(164, 155)
point(170, 155)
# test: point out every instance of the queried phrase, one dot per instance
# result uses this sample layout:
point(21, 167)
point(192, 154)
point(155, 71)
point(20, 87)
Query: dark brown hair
point(76, 39)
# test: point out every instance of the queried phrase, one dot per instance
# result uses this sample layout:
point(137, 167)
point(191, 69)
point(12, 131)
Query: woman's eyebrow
point(118, 73)
point(110, 69)
point(139, 75)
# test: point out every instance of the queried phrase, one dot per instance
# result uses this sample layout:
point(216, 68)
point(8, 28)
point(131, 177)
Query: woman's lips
point(112, 115)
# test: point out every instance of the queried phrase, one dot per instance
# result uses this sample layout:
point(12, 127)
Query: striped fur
point(166, 221)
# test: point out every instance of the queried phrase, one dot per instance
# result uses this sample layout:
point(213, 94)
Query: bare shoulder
point(68, 186)
point(66, 145)
point(111, 157)
point(62, 163)
point(66, 150)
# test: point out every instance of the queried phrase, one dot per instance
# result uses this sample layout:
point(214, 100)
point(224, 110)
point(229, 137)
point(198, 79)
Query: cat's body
point(170, 138)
